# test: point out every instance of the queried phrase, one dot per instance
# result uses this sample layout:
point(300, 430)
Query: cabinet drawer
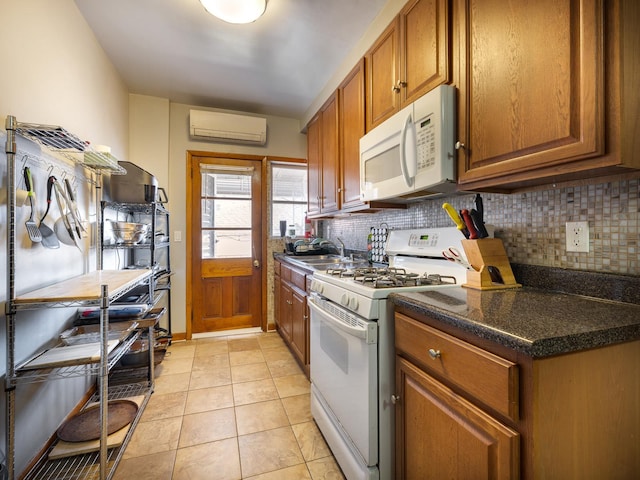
point(485, 376)
point(298, 279)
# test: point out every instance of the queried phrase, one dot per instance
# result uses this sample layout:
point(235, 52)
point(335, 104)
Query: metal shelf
point(87, 466)
point(100, 287)
point(88, 369)
point(155, 213)
point(140, 246)
point(57, 139)
point(147, 208)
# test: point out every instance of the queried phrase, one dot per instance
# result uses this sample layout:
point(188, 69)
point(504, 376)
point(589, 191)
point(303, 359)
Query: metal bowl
point(129, 232)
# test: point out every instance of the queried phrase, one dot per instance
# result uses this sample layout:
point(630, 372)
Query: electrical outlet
point(577, 236)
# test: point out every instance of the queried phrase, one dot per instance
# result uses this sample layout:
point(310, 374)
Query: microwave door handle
point(408, 129)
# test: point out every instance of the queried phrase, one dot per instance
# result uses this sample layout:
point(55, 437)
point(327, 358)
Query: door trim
point(191, 154)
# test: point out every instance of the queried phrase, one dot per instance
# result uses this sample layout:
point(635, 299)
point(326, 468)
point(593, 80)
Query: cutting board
point(69, 355)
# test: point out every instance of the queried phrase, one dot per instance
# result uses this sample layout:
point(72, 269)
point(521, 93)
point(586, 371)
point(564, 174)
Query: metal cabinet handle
point(395, 399)
point(395, 88)
point(434, 354)
point(460, 146)
point(289, 302)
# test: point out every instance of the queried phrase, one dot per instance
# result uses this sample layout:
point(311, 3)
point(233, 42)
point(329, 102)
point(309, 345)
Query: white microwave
point(411, 155)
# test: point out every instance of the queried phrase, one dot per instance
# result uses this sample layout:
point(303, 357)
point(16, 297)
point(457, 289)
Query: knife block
point(489, 260)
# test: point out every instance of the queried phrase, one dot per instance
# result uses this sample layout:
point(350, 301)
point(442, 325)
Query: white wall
point(149, 135)
point(53, 72)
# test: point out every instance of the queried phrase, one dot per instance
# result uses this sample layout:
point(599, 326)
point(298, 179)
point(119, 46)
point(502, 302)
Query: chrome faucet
point(341, 247)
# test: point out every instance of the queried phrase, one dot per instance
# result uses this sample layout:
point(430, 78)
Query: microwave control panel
point(426, 142)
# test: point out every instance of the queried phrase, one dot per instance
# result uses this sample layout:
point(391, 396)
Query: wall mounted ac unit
point(227, 127)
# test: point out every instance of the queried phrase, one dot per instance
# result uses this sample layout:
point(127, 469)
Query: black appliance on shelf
point(137, 186)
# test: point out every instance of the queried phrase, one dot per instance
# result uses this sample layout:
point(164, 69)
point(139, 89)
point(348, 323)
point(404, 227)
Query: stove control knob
point(353, 303)
point(344, 300)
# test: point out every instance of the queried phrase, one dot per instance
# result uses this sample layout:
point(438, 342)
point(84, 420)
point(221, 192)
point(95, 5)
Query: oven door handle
point(367, 332)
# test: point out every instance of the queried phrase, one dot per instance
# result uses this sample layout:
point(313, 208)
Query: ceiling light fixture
point(235, 11)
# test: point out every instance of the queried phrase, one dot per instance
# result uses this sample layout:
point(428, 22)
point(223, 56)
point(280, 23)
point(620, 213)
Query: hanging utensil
point(64, 220)
point(73, 208)
point(32, 227)
point(49, 238)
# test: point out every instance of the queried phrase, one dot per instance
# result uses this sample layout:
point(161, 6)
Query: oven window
point(335, 346)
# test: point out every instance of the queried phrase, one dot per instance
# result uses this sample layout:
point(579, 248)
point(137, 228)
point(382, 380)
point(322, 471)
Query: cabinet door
point(276, 297)
point(351, 108)
point(382, 62)
point(299, 323)
point(424, 47)
point(285, 311)
point(330, 156)
point(441, 435)
point(531, 88)
point(314, 169)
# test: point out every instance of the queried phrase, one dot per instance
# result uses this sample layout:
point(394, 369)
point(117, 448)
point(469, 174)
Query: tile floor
point(227, 408)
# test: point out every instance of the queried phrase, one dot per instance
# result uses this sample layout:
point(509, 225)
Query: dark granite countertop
point(536, 322)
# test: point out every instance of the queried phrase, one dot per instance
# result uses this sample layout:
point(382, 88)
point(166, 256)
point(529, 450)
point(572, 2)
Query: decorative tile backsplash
point(531, 224)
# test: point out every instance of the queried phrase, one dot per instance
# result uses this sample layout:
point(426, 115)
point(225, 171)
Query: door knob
point(395, 399)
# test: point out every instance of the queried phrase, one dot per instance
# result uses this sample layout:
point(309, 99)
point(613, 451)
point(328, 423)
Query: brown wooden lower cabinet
point(291, 311)
point(510, 416)
point(459, 441)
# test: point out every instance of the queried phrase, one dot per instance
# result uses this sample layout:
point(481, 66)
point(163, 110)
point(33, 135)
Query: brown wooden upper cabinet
point(323, 160)
point(408, 59)
point(351, 128)
point(542, 96)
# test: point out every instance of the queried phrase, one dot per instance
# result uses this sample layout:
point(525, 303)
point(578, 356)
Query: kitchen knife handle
point(473, 233)
point(50, 181)
point(28, 181)
point(477, 221)
point(456, 218)
point(479, 207)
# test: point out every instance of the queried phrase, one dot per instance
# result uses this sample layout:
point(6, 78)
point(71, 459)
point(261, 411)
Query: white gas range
point(352, 346)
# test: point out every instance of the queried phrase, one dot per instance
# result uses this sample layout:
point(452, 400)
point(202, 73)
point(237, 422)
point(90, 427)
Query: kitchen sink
point(321, 262)
point(327, 261)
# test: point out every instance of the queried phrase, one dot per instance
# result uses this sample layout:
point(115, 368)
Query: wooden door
point(441, 435)
point(314, 165)
point(424, 46)
point(330, 156)
point(531, 88)
point(382, 62)
point(351, 108)
point(226, 233)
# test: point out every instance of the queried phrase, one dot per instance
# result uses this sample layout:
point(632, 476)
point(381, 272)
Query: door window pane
point(226, 207)
point(226, 244)
point(220, 213)
point(217, 184)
